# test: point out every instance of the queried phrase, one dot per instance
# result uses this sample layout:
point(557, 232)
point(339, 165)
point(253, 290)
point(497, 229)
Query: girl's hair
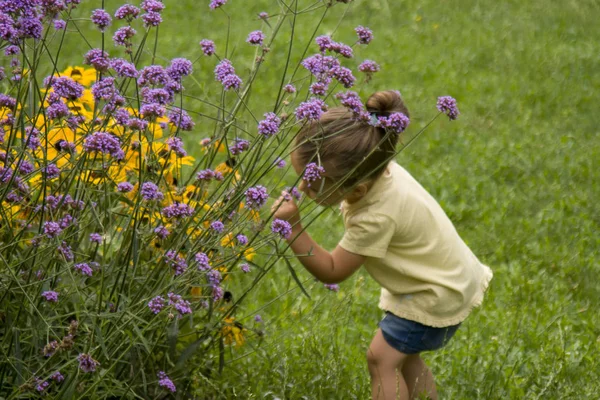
point(351, 150)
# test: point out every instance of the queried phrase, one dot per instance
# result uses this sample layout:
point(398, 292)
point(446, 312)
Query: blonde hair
point(352, 151)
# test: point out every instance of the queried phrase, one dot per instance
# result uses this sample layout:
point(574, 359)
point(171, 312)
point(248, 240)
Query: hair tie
point(374, 120)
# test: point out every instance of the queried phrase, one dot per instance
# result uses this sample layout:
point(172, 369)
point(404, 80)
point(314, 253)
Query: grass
point(517, 173)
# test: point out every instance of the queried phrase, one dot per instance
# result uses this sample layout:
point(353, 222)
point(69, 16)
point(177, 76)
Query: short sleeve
point(368, 234)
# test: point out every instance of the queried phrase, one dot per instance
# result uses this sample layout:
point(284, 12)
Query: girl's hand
point(285, 208)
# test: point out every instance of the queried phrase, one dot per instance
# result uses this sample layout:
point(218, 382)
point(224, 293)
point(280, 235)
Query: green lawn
point(517, 173)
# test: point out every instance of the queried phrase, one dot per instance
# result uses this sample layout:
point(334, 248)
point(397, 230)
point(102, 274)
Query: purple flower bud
point(203, 261)
point(256, 38)
point(333, 287)
point(217, 3)
point(179, 68)
point(127, 12)
point(365, 35)
point(289, 88)
point(282, 228)
point(101, 18)
point(97, 59)
point(256, 197)
point(369, 67)
point(124, 68)
point(95, 238)
point(156, 304)
point(164, 381)
point(396, 122)
point(151, 192)
point(242, 239)
point(270, 125)
point(162, 232)
point(312, 172)
point(447, 105)
point(152, 18)
point(310, 110)
point(83, 268)
point(50, 296)
point(208, 47)
point(124, 187)
point(217, 226)
point(280, 163)
point(123, 35)
point(245, 268)
point(87, 363)
point(181, 119)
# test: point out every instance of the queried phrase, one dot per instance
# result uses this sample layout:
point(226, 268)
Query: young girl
point(430, 279)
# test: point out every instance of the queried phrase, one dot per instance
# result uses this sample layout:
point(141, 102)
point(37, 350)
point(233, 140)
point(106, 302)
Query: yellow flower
point(85, 76)
point(249, 254)
point(233, 332)
point(228, 240)
point(196, 292)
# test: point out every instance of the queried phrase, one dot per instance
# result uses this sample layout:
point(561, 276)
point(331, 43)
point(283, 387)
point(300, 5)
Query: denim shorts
point(410, 337)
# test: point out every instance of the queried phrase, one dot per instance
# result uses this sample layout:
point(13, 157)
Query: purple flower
point(52, 229)
point(225, 73)
point(320, 65)
point(282, 228)
point(242, 239)
point(162, 232)
point(151, 192)
point(83, 268)
point(163, 379)
point(30, 28)
point(256, 197)
point(177, 210)
point(342, 49)
point(101, 18)
point(158, 95)
point(127, 12)
point(156, 304)
point(289, 88)
point(50, 296)
point(50, 348)
point(208, 47)
point(207, 175)
point(105, 143)
point(447, 105)
point(293, 192)
point(344, 76)
point(263, 15)
point(369, 67)
point(333, 287)
point(365, 35)
point(26, 168)
point(122, 35)
point(319, 88)
point(137, 124)
point(152, 18)
point(179, 67)
point(124, 187)
point(181, 119)
point(310, 110)
point(203, 261)
point(270, 125)
point(57, 110)
point(65, 250)
point(52, 171)
point(245, 268)
point(258, 318)
point(176, 261)
point(324, 42)
point(67, 88)
point(239, 146)
point(104, 89)
point(152, 6)
point(214, 277)
point(256, 38)
point(95, 238)
point(396, 122)
point(59, 24)
point(41, 386)
point(280, 163)
point(97, 59)
point(57, 377)
point(217, 3)
point(87, 363)
point(313, 172)
point(152, 110)
point(352, 101)
point(7, 101)
point(217, 226)
point(176, 145)
point(124, 68)
point(153, 75)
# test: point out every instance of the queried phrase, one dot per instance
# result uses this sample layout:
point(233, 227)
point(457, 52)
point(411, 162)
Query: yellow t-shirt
point(427, 273)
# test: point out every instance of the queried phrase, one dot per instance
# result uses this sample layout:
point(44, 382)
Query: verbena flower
point(163, 379)
point(50, 296)
point(203, 261)
point(153, 75)
point(105, 143)
point(98, 59)
point(176, 145)
point(95, 238)
point(156, 304)
point(207, 175)
point(217, 226)
point(263, 15)
point(65, 251)
point(101, 19)
point(179, 68)
point(123, 35)
point(51, 171)
point(57, 377)
point(270, 125)
point(293, 192)
point(352, 101)
point(52, 229)
point(217, 3)
point(214, 277)
point(333, 287)
point(258, 318)
point(369, 67)
point(83, 268)
point(42, 386)
point(310, 110)
point(151, 192)
point(256, 197)
point(176, 261)
point(365, 35)
point(208, 47)
point(282, 228)
point(152, 6)
point(162, 232)
point(124, 187)
point(123, 68)
point(225, 73)
point(255, 38)
point(50, 348)
point(87, 363)
point(127, 12)
point(289, 88)
point(177, 210)
point(59, 24)
point(313, 172)
point(280, 163)
point(239, 146)
point(447, 105)
point(396, 122)
point(245, 267)
point(152, 18)
point(181, 119)
point(242, 239)
point(344, 76)
point(67, 88)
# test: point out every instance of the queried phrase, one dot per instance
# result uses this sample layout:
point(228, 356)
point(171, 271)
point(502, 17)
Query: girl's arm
point(327, 267)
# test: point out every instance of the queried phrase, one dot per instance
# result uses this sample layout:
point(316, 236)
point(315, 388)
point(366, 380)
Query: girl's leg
point(419, 379)
point(383, 360)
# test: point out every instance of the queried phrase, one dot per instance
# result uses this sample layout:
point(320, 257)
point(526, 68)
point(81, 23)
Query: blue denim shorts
point(410, 337)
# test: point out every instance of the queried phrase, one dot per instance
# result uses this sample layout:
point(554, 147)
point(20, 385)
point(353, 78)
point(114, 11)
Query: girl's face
point(323, 191)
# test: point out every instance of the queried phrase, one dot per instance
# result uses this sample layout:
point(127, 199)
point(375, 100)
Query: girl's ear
point(359, 192)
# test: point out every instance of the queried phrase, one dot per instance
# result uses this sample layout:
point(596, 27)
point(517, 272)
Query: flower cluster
point(447, 105)
point(225, 73)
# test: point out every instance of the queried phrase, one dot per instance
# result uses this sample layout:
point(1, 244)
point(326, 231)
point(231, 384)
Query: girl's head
point(353, 152)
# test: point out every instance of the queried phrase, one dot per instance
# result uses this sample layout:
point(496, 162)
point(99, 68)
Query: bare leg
point(419, 379)
point(383, 360)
